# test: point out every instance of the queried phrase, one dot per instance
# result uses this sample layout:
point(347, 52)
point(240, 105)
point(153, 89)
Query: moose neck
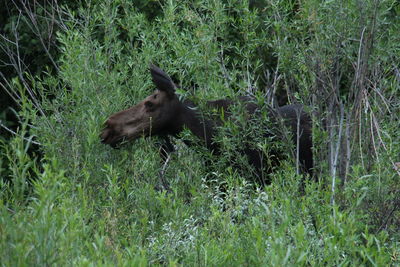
point(197, 123)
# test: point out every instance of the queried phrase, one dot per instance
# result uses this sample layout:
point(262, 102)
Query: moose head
point(155, 115)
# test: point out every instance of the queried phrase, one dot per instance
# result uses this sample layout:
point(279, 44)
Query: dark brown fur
point(163, 114)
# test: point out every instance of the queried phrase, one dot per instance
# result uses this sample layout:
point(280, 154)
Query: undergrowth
point(83, 203)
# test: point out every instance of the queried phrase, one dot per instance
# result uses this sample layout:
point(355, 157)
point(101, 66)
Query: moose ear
point(162, 80)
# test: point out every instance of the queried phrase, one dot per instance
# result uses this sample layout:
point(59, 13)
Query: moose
point(163, 114)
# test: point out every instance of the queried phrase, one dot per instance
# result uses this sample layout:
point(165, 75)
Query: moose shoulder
point(163, 114)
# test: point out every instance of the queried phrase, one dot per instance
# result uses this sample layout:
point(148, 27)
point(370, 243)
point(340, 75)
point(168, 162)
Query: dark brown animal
point(163, 114)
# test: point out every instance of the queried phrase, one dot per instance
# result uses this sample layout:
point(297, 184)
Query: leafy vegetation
point(82, 203)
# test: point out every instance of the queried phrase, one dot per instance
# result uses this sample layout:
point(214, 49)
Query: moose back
point(163, 114)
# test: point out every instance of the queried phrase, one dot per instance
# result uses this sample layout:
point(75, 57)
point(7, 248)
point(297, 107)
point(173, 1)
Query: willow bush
point(83, 203)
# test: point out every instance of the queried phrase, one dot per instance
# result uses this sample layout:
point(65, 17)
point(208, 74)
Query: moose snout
point(104, 135)
point(107, 134)
point(109, 137)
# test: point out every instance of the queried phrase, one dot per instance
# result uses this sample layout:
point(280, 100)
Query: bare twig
point(298, 114)
point(28, 11)
point(36, 30)
point(16, 134)
point(336, 156)
point(348, 149)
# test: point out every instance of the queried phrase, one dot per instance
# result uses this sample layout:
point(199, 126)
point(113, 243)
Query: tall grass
point(83, 203)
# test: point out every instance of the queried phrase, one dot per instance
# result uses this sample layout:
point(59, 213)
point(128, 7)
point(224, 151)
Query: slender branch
point(16, 134)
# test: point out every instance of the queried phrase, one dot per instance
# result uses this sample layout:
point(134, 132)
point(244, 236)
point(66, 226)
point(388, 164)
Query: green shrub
point(84, 203)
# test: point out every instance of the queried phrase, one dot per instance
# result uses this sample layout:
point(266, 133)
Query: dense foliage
point(83, 203)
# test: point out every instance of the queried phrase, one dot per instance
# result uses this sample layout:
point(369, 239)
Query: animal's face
point(149, 117)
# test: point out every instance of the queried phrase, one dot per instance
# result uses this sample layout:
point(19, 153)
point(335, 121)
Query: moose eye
point(155, 96)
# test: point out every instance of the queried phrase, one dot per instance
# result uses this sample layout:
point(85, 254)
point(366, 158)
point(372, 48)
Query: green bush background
point(82, 203)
